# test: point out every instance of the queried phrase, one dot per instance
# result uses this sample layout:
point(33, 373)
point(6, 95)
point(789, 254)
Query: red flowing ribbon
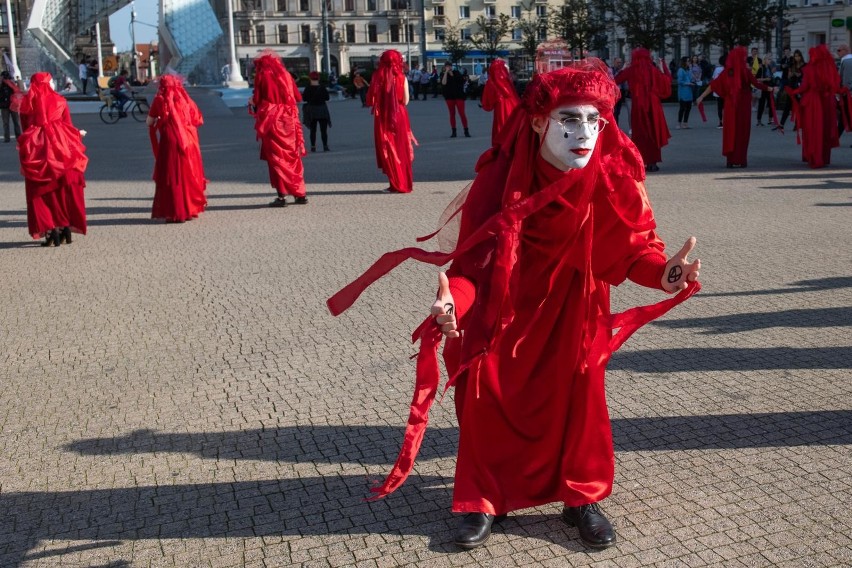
point(701, 112)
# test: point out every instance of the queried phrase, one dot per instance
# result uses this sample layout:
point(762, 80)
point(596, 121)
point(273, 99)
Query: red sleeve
point(488, 102)
point(648, 270)
point(464, 293)
point(156, 109)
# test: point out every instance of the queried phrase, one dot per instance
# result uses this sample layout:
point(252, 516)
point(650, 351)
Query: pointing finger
point(687, 248)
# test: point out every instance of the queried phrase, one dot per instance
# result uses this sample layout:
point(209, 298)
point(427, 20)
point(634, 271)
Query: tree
point(453, 43)
point(579, 23)
point(530, 26)
point(646, 23)
point(729, 23)
point(490, 34)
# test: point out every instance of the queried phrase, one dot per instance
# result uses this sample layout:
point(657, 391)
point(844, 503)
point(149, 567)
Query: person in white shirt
point(83, 73)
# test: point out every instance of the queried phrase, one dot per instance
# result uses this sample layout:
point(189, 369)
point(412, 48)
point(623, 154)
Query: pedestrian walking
point(315, 111)
point(649, 84)
point(425, 80)
point(553, 219)
point(276, 121)
point(361, 86)
point(452, 87)
point(53, 163)
point(10, 104)
point(499, 96)
point(392, 134)
point(180, 185)
point(735, 85)
point(685, 90)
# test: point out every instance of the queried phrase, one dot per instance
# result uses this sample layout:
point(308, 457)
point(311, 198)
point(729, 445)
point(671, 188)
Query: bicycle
point(110, 113)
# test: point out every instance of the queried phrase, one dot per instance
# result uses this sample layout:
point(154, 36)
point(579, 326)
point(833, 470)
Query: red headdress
point(822, 71)
point(492, 213)
point(736, 71)
point(179, 111)
point(273, 82)
point(498, 76)
point(385, 86)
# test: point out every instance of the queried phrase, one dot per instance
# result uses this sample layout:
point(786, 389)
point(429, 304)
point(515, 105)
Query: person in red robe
point(276, 121)
point(816, 112)
point(557, 214)
point(499, 96)
point(178, 170)
point(648, 87)
point(734, 86)
point(388, 97)
point(53, 163)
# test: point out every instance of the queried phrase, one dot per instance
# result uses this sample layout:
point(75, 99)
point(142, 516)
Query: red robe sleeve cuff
point(464, 293)
point(648, 271)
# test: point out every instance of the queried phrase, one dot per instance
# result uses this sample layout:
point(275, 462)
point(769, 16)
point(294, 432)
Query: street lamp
point(235, 79)
point(326, 59)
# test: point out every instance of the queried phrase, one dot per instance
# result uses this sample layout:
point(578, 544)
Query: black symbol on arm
point(674, 274)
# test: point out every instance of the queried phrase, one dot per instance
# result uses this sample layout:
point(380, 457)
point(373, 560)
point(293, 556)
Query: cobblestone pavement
point(177, 395)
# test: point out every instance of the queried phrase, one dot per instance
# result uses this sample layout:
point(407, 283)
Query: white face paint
point(570, 135)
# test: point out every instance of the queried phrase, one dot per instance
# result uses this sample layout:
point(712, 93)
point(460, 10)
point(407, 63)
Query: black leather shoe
point(595, 530)
point(475, 529)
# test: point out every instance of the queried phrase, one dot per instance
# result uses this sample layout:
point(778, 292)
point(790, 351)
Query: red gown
point(816, 112)
point(734, 86)
point(178, 168)
point(536, 254)
point(53, 161)
point(648, 87)
point(391, 128)
point(499, 96)
point(277, 124)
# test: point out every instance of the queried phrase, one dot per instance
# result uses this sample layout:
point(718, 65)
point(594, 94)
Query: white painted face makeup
point(570, 134)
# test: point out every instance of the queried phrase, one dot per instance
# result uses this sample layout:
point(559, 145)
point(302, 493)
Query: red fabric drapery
point(499, 96)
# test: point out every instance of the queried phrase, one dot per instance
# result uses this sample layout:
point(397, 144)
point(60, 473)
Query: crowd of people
point(556, 215)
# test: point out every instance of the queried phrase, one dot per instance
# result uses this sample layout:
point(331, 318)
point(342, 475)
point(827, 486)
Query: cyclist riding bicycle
point(120, 89)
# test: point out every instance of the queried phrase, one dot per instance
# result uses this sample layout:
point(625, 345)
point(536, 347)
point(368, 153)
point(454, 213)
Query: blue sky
point(119, 24)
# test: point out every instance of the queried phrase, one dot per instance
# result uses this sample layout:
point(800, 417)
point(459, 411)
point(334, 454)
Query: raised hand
point(679, 271)
point(444, 308)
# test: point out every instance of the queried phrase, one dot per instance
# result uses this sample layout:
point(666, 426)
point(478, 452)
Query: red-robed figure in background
point(178, 170)
point(500, 96)
point(388, 97)
point(648, 86)
point(816, 113)
point(276, 120)
point(734, 86)
point(53, 160)
point(557, 214)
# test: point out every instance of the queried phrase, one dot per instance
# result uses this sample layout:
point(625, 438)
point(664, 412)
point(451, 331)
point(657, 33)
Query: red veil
point(815, 113)
point(391, 128)
point(608, 193)
point(499, 96)
point(178, 168)
point(53, 160)
point(276, 114)
point(648, 86)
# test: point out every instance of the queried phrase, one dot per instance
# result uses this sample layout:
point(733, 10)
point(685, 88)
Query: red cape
point(816, 112)
point(282, 142)
point(648, 86)
point(499, 96)
point(178, 168)
point(53, 160)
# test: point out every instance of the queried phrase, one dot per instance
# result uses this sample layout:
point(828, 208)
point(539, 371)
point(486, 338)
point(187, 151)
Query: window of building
point(437, 10)
point(464, 12)
point(541, 11)
point(329, 29)
point(282, 34)
point(399, 4)
point(260, 34)
point(394, 33)
point(350, 33)
point(371, 5)
point(281, 5)
point(516, 12)
point(304, 5)
point(306, 33)
point(517, 35)
point(4, 20)
point(372, 33)
point(465, 34)
point(245, 36)
point(439, 34)
point(410, 36)
point(542, 33)
point(491, 11)
point(349, 5)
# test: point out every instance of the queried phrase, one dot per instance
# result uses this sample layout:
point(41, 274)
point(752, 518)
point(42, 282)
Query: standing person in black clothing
point(792, 79)
point(452, 85)
point(7, 89)
point(315, 111)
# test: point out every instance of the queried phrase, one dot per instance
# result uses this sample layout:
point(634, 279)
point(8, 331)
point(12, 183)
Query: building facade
point(815, 22)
